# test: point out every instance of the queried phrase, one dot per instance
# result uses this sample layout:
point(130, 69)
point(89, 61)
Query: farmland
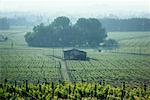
point(28, 65)
point(130, 62)
point(112, 67)
point(65, 91)
point(132, 42)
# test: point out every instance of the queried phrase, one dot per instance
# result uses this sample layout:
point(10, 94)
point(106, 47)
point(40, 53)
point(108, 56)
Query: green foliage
point(4, 23)
point(29, 64)
point(61, 22)
point(60, 33)
point(110, 44)
point(84, 91)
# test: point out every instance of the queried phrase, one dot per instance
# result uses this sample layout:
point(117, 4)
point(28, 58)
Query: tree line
point(132, 24)
point(62, 33)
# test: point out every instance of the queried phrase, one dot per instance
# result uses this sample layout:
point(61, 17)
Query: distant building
point(74, 54)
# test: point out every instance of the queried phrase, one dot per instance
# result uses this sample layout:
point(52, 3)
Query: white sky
point(77, 6)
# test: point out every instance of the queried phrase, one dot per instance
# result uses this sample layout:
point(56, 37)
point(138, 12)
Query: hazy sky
point(77, 6)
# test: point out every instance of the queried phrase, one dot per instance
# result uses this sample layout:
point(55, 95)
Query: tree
point(4, 23)
point(110, 44)
point(61, 22)
point(90, 31)
point(60, 33)
point(131, 24)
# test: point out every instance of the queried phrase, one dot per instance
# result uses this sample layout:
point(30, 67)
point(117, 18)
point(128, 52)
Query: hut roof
point(74, 50)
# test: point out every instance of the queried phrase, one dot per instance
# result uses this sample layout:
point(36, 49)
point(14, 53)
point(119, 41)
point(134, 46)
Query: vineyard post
point(100, 82)
point(123, 91)
point(40, 87)
point(145, 86)
point(38, 82)
point(95, 94)
point(91, 91)
point(5, 80)
point(27, 89)
point(59, 82)
point(69, 91)
point(104, 82)
point(52, 89)
point(74, 88)
point(15, 83)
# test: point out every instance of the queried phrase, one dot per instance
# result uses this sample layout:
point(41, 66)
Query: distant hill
point(132, 24)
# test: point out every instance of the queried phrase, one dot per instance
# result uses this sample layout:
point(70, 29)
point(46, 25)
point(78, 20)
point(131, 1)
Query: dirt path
point(64, 70)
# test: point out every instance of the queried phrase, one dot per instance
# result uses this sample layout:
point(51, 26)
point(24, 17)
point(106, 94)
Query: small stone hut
point(75, 54)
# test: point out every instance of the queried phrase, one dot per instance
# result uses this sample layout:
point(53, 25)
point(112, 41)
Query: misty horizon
point(78, 8)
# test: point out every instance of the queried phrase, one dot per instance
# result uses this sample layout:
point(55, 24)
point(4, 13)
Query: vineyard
point(28, 65)
point(113, 68)
point(130, 63)
point(132, 42)
point(81, 91)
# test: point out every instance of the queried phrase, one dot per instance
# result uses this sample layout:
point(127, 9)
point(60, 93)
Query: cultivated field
point(132, 42)
point(130, 62)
